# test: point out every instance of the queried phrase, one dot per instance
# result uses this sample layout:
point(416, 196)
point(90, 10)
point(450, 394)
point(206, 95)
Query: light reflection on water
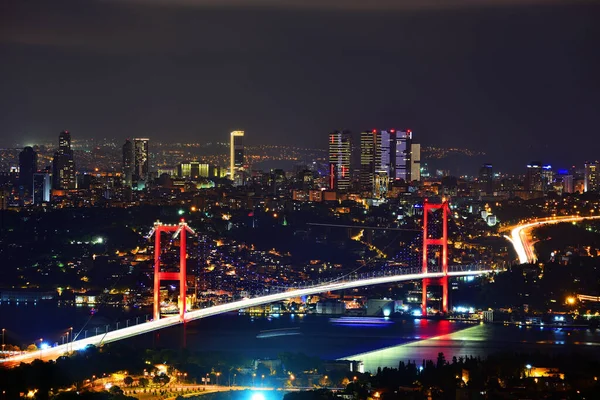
point(480, 341)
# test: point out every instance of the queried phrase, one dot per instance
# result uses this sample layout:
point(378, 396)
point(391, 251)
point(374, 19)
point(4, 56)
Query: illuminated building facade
point(236, 157)
point(63, 164)
point(415, 162)
point(141, 166)
point(370, 158)
point(389, 153)
point(533, 181)
point(591, 175)
point(340, 153)
point(41, 188)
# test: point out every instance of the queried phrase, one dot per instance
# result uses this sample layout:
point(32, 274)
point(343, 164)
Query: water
point(379, 343)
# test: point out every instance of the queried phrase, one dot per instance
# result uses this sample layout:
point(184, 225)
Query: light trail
point(131, 331)
point(519, 236)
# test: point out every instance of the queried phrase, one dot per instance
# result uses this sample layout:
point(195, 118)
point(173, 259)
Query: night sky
point(520, 80)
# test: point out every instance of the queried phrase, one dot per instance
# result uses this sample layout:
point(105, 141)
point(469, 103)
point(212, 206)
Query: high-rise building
point(389, 153)
point(41, 188)
point(340, 153)
point(128, 163)
point(63, 164)
point(370, 159)
point(591, 179)
point(236, 157)
point(533, 179)
point(486, 180)
point(547, 178)
point(141, 166)
point(415, 162)
point(401, 147)
point(27, 167)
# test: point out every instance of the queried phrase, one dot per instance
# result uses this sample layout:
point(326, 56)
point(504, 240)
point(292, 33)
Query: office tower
point(591, 177)
point(340, 152)
point(370, 158)
point(141, 165)
point(389, 153)
point(41, 188)
point(486, 180)
point(27, 167)
point(533, 179)
point(128, 163)
point(415, 162)
point(63, 164)
point(401, 155)
point(547, 178)
point(236, 157)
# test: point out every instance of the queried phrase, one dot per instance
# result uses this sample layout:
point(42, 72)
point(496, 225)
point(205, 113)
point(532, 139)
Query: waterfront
point(376, 342)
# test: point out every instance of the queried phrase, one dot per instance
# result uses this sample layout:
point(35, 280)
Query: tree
point(143, 382)
point(31, 347)
point(128, 381)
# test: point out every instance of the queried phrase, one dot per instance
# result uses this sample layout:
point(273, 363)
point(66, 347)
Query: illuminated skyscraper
point(591, 177)
point(401, 149)
point(128, 163)
point(370, 159)
point(63, 164)
point(141, 166)
point(415, 162)
point(41, 188)
point(236, 157)
point(386, 156)
point(533, 180)
point(340, 152)
point(27, 167)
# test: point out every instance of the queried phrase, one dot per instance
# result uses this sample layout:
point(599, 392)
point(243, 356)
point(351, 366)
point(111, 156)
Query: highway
point(146, 327)
point(520, 235)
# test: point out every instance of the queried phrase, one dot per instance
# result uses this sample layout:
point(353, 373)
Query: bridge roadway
point(150, 326)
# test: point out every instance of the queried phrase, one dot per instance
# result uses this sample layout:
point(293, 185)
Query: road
point(520, 235)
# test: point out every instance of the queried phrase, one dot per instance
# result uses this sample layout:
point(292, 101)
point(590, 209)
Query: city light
point(258, 396)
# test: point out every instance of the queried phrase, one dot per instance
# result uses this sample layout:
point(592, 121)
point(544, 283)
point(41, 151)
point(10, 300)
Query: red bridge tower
point(443, 241)
point(180, 230)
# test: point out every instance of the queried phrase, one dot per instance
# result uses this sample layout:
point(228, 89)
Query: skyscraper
point(27, 167)
point(128, 163)
point(486, 180)
point(340, 152)
point(370, 158)
point(533, 179)
point(141, 166)
point(41, 188)
point(415, 162)
point(401, 148)
point(591, 177)
point(236, 157)
point(386, 156)
point(63, 164)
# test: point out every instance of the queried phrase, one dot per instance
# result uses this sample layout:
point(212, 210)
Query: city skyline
point(455, 74)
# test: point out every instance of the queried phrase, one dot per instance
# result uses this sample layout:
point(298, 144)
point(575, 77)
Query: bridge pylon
point(180, 230)
point(442, 241)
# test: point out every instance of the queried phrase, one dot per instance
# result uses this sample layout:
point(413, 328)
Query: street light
point(3, 330)
point(218, 374)
point(528, 366)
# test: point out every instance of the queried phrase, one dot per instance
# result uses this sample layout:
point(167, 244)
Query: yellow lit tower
point(236, 157)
